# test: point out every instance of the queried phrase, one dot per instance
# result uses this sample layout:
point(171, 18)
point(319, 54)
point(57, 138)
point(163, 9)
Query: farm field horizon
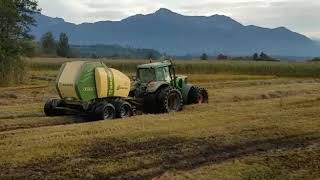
point(262, 122)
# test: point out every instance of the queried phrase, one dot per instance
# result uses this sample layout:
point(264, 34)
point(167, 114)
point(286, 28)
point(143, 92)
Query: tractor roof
point(154, 65)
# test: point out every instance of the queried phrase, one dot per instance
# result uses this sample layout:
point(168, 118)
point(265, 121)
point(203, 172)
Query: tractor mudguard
point(154, 86)
point(185, 92)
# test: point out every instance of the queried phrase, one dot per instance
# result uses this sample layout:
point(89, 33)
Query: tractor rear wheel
point(170, 100)
point(105, 111)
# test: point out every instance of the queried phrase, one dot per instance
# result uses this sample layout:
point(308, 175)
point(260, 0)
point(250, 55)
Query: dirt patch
point(29, 121)
point(2, 103)
point(156, 156)
point(8, 96)
point(25, 95)
point(26, 115)
point(44, 78)
point(304, 103)
point(27, 87)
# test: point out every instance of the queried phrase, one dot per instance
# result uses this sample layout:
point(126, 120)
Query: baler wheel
point(105, 111)
point(50, 108)
point(123, 109)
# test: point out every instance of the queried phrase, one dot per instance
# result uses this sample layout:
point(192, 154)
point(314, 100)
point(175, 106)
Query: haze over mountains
point(176, 34)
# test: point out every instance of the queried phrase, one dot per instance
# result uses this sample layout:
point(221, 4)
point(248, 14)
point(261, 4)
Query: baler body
point(87, 81)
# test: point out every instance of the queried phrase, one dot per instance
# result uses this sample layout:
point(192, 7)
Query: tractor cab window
point(167, 74)
point(146, 75)
point(163, 74)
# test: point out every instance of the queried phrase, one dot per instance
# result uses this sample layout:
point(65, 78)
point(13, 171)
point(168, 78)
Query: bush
point(222, 57)
point(317, 59)
point(204, 56)
point(13, 70)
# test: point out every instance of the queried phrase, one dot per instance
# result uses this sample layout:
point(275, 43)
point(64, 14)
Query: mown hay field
point(255, 127)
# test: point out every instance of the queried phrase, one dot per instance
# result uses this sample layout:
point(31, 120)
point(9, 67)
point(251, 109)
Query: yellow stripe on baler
point(101, 77)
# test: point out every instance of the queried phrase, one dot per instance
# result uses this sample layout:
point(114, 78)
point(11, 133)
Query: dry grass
point(255, 127)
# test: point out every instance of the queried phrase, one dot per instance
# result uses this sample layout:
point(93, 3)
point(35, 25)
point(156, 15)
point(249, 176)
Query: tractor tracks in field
point(156, 156)
point(44, 78)
point(200, 152)
point(37, 120)
point(17, 116)
point(25, 87)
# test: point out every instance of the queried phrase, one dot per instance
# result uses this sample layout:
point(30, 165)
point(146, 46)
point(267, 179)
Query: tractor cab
point(160, 72)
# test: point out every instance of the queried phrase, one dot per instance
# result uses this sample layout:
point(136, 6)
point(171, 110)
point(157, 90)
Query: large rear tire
point(170, 100)
point(105, 111)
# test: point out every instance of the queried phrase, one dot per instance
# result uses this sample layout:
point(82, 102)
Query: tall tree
point(255, 57)
point(63, 48)
point(48, 44)
point(204, 56)
point(15, 22)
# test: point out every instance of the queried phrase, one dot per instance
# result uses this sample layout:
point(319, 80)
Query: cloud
point(298, 15)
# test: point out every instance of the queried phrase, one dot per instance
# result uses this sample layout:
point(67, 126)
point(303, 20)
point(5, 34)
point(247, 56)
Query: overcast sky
point(302, 16)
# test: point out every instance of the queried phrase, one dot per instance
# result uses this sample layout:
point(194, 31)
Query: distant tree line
point(255, 57)
point(205, 56)
point(115, 52)
point(48, 46)
point(262, 57)
point(316, 59)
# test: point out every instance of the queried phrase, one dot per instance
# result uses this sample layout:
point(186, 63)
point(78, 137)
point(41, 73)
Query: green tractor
point(162, 91)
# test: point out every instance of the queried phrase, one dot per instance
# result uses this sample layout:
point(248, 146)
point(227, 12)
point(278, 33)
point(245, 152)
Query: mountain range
point(176, 34)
